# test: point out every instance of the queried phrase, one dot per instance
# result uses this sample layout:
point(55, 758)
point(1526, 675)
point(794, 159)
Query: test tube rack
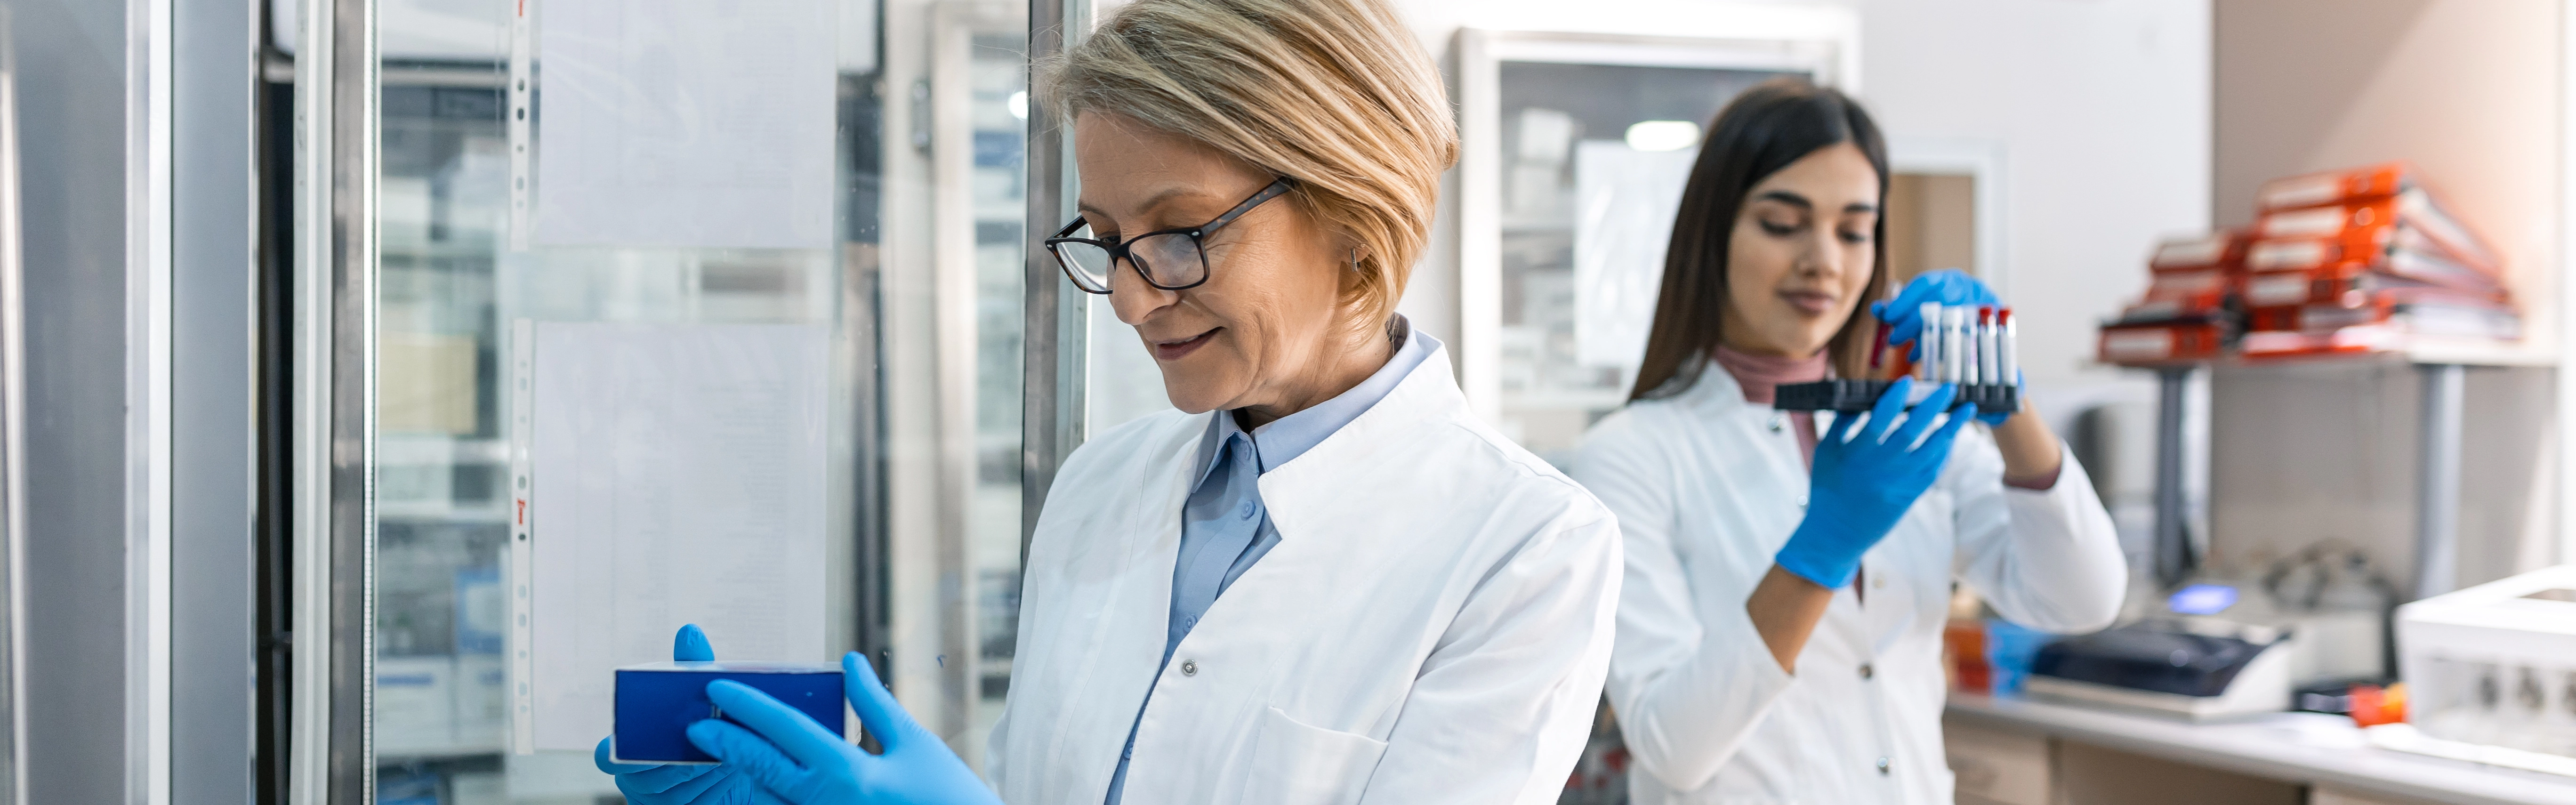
point(1853, 396)
point(1968, 345)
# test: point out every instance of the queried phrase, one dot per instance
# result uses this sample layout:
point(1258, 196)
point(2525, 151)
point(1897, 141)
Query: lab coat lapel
point(1127, 572)
point(1300, 493)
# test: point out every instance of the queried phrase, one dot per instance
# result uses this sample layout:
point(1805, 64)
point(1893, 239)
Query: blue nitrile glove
point(805, 764)
point(1948, 286)
point(1866, 475)
point(656, 784)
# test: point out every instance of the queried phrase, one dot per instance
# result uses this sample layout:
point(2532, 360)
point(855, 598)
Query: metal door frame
point(334, 388)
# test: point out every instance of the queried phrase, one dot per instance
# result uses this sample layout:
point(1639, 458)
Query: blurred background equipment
point(2495, 664)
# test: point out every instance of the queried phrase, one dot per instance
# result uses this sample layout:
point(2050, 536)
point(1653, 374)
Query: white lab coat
point(1433, 626)
point(1707, 488)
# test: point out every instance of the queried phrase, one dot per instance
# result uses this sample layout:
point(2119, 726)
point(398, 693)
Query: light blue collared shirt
point(1225, 527)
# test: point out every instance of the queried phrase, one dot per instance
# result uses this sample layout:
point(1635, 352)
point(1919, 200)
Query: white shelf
point(2424, 351)
point(2306, 748)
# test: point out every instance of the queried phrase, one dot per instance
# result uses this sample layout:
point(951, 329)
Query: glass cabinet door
point(687, 313)
point(1574, 152)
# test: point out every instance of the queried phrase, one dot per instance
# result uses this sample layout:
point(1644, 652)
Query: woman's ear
point(1352, 253)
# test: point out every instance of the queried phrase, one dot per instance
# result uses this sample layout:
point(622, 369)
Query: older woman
point(1322, 579)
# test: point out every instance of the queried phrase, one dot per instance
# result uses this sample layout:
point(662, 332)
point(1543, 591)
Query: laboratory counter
point(2302, 749)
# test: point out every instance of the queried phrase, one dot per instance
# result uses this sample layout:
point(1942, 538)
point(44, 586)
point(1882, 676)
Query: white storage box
point(2495, 664)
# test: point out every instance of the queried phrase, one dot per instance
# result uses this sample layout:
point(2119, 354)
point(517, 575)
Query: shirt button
point(1882, 766)
point(1247, 510)
point(1877, 581)
point(1191, 668)
point(1866, 671)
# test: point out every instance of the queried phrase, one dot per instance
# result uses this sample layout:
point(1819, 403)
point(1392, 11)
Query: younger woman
point(1779, 633)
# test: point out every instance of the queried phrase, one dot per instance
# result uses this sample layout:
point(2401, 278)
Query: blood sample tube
point(2008, 353)
point(1929, 340)
point(1989, 343)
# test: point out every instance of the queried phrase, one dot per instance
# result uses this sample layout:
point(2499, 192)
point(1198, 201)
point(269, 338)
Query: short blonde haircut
point(1336, 95)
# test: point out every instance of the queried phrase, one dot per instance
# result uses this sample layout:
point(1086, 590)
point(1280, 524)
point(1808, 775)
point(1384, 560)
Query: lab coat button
point(1191, 668)
point(1248, 508)
point(1802, 503)
point(1867, 672)
point(1882, 765)
point(1778, 421)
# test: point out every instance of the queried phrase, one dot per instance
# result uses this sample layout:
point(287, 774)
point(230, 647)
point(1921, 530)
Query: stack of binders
point(2365, 260)
point(2189, 312)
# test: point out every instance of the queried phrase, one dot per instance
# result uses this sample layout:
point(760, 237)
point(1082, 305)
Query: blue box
point(656, 703)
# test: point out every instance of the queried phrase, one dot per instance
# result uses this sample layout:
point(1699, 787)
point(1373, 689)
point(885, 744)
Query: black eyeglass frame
point(1118, 251)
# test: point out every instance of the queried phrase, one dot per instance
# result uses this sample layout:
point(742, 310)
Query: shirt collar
point(1288, 437)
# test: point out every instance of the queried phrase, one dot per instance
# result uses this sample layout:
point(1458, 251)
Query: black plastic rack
point(1862, 395)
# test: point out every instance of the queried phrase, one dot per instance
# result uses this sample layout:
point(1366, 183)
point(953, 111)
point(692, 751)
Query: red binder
point(2220, 250)
point(2309, 190)
point(2383, 249)
point(2409, 218)
point(2154, 343)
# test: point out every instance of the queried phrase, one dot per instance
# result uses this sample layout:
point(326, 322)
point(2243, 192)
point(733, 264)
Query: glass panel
point(1594, 161)
point(1000, 108)
point(912, 215)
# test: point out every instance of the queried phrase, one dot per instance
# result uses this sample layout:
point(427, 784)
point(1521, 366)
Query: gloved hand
point(805, 764)
point(1866, 475)
point(1948, 286)
point(656, 784)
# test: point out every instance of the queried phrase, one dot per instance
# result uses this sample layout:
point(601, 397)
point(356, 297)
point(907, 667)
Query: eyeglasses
point(1170, 259)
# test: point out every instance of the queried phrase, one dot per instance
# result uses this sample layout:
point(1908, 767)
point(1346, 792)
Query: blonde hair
point(1335, 95)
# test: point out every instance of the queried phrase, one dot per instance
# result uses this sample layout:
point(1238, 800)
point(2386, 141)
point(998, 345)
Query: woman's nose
point(1821, 255)
point(1132, 297)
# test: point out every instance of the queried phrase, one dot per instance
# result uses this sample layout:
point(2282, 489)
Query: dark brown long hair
point(1762, 131)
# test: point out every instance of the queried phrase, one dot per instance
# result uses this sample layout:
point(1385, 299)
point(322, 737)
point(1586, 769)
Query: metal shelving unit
point(2444, 366)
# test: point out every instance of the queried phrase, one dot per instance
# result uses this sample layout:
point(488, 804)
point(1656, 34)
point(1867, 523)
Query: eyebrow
point(1155, 200)
point(1795, 200)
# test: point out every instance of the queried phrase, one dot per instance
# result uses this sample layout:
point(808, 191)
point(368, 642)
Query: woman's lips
point(1173, 350)
point(1809, 302)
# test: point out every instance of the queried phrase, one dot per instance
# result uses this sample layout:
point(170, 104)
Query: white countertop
point(2309, 748)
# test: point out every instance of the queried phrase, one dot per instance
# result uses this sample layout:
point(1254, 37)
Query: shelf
point(2424, 352)
point(2307, 748)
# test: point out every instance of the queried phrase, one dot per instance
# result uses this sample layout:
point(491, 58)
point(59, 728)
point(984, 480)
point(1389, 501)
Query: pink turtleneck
point(1760, 375)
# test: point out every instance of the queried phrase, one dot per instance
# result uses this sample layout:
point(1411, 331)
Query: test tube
point(1972, 354)
point(1989, 342)
point(1930, 341)
point(1954, 346)
point(2008, 352)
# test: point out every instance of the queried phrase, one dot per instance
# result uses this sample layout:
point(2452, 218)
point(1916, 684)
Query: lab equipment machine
point(2191, 663)
point(2495, 664)
point(2223, 646)
point(657, 702)
point(1974, 346)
